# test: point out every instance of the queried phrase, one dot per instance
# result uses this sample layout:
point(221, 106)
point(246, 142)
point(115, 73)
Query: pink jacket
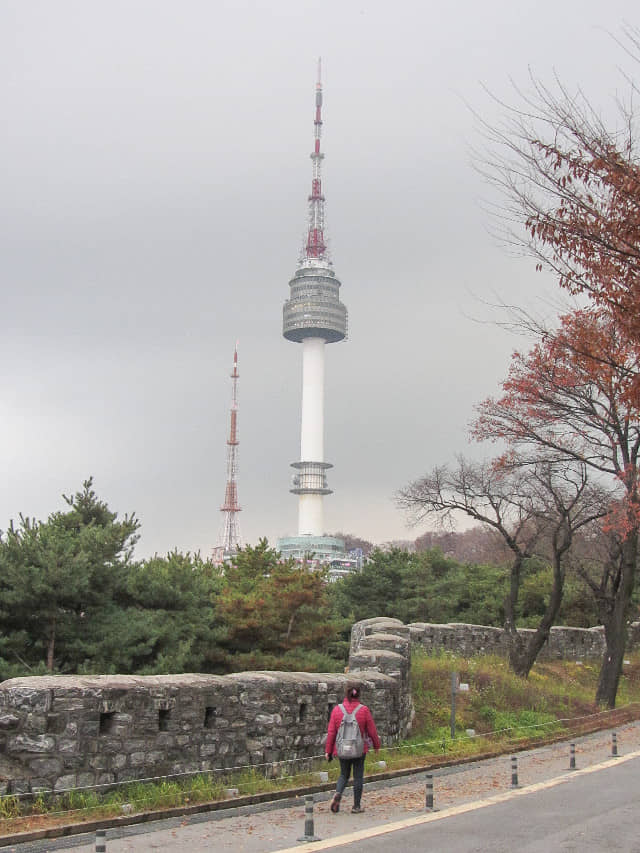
point(365, 721)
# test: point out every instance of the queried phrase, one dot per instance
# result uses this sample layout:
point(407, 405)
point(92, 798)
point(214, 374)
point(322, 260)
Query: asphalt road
point(597, 811)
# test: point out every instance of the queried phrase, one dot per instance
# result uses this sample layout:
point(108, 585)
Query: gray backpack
point(349, 741)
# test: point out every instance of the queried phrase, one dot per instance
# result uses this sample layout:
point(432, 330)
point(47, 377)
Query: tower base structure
point(319, 552)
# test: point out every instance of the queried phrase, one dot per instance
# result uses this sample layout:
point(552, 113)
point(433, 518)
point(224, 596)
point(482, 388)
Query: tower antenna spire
point(316, 246)
point(229, 540)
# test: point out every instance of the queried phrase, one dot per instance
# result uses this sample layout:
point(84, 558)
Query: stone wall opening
point(107, 722)
point(164, 716)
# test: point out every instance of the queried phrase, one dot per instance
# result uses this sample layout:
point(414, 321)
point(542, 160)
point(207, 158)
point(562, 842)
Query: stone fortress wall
point(62, 732)
point(563, 644)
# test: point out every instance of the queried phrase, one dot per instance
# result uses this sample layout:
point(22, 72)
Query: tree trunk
point(515, 640)
point(512, 598)
point(615, 626)
point(290, 625)
point(51, 645)
point(517, 653)
point(529, 651)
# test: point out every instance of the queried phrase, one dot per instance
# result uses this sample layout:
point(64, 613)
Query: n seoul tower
point(314, 316)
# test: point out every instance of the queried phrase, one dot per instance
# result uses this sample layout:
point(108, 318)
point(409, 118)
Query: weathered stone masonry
point(60, 732)
point(563, 644)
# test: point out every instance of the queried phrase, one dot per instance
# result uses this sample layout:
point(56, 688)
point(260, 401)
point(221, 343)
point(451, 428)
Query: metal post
point(572, 756)
point(514, 771)
point(101, 841)
point(454, 687)
point(308, 821)
point(429, 794)
point(614, 744)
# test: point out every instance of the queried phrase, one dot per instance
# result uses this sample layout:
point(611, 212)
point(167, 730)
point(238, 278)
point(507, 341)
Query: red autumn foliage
point(591, 227)
point(571, 395)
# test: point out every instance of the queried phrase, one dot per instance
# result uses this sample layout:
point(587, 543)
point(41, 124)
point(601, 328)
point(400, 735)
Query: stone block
point(46, 767)
point(28, 699)
point(20, 785)
point(75, 705)
point(35, 724)
point(117, 762)
point(27, 743)
point(85, 780)
point(164, 703)
point(65, 745)
point(268, 719)
point(65, 783)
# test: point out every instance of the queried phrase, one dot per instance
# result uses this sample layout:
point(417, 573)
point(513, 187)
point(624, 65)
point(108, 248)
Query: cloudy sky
point(153, 198)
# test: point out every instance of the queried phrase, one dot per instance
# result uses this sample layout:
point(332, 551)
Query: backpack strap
point(351, 715)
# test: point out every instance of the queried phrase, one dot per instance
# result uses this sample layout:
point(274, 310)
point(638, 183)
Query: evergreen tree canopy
point(57, 575)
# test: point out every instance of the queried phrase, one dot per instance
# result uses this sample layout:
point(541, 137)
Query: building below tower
point(320, 552)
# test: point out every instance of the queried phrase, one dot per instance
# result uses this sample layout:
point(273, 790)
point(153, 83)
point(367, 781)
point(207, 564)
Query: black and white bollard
point(572, 756)
point(101, 841)
point(309, 834)
point(429, 794)
point(514, 771)
point(614, 744)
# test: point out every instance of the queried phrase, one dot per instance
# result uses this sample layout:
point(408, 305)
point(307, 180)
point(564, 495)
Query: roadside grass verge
point(499, 713)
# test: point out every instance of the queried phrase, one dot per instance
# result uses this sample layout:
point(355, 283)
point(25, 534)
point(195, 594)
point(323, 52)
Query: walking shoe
point(335, 803)
point(357, 810)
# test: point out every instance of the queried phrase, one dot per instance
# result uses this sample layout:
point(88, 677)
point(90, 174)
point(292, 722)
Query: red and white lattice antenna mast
point(316, 246)
point(230, 531)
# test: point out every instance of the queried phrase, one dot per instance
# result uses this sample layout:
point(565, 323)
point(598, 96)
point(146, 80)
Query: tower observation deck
point(313, 309)
point(313, 316)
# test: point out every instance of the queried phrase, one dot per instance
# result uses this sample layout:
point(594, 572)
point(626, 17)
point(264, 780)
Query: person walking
point(350, 734)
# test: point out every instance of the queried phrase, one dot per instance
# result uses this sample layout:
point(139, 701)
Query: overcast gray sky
point(155, 171)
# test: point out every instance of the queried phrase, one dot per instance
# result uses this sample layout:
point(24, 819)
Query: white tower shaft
point(312, 420)
point(310, 507)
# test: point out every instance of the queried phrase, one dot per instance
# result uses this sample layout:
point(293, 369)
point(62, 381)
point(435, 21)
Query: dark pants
point(346, 765)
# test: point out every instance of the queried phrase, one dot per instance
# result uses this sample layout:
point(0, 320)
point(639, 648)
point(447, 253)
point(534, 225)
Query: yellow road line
point(382, 829)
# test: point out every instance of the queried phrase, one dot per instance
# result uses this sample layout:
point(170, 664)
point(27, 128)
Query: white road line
point(382, 829)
